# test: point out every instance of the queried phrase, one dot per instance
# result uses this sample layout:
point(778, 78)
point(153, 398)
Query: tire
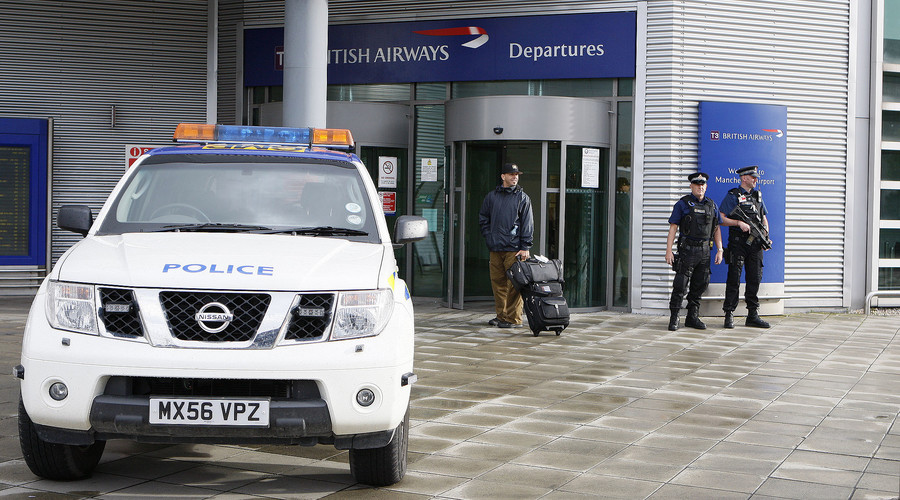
point(386, 465)
point(61, 462)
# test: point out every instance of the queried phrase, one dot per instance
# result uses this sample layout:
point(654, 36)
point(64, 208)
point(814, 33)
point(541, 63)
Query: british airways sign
point(566, 46)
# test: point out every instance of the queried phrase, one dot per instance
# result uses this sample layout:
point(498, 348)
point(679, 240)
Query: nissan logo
point(214, 317)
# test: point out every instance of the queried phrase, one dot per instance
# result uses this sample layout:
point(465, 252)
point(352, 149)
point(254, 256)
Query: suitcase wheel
point(535, 333)
point(558, 332)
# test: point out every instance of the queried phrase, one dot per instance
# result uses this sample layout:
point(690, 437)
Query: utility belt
point(745, 240)
point(687, 242)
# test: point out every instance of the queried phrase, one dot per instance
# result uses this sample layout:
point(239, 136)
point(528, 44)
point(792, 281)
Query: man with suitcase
point(507, 225)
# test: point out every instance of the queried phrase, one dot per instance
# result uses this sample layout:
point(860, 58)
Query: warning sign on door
point(388, 202)
point(387, 171)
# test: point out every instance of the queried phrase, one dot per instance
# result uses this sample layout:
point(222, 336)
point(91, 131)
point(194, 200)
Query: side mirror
point(75, 218)
point(409, 228)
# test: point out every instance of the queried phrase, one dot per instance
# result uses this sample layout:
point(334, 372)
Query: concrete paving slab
point(615, 407)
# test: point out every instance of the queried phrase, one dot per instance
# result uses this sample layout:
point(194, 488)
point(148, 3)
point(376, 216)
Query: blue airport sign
point(734, 135)
point(600, 45)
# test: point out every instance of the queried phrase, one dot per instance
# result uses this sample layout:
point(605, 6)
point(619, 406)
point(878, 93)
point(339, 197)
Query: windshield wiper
point(317, 231)
point(213, 227)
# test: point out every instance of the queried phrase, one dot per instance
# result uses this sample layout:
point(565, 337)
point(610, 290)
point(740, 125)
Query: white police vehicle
point(238, 290)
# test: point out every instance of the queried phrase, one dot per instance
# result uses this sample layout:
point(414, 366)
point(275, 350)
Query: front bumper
point(338, 370)
point(291, 423)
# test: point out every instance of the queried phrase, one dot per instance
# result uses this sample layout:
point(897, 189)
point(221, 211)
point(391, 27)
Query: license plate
point(200, 411)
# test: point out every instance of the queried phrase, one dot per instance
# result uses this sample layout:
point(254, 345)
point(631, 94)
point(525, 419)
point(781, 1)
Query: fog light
point(59, 391)
point(365, 397)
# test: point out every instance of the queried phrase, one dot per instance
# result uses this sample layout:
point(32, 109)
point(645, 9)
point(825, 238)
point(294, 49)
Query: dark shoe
point(507, 324)
point(494, 322)
point(673, 320)
point(729, 319)
point(754, 320)
point(693, 320)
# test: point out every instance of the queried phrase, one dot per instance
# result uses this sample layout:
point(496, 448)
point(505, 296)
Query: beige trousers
point(507, 300)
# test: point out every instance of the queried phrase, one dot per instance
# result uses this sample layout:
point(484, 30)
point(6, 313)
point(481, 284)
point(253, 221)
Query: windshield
point(262, 195)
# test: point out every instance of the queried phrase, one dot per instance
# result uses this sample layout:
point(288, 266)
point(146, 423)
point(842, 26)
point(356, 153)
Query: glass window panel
point(889, 278)
point(429, 91)
point(554, 154)
point(626, 86)
point(429, 254)
point(576, 88)
point(891, 89)
point(622, 236)
point(889, 244)
point(586, 87)
point(890, 165)
point(369, 92)
point(258, 95)
point(15, 200)
point(584, 263)
point(892, 31)
point(890, 126)
point(478, 89)
point(552, 229)
point(890, 204)
point(276, 94)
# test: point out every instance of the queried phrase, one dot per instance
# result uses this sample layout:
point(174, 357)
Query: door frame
point(457, 211)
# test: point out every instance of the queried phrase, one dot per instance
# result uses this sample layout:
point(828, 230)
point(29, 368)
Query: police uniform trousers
point(691, 274)
point(748, 257)
point(507, 300)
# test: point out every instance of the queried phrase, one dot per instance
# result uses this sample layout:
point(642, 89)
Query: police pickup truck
point(240, 289)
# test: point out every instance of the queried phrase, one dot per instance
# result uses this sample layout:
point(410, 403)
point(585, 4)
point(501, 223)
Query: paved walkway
point(616, 407)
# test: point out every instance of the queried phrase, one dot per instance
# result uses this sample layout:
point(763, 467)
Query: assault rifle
point(757, 229)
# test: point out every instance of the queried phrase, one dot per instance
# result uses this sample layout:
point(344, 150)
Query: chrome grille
point(119, 313)
point(311, 317)
point(181, 307)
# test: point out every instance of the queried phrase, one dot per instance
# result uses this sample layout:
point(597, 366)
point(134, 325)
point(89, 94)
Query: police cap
point(750, 170)
point(510, 168)
point(698, 178)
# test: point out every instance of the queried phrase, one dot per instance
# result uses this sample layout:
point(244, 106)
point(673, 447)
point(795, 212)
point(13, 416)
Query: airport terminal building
point(606, 106)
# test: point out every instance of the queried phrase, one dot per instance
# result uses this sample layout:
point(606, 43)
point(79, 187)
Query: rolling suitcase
point(540, 284)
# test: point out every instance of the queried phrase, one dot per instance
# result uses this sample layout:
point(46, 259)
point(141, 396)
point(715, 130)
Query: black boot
point(693, 320)
point(673, 320)
point(729, 319)
point(753, 319)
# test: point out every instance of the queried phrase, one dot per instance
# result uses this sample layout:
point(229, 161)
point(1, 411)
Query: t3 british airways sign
point(598, 45)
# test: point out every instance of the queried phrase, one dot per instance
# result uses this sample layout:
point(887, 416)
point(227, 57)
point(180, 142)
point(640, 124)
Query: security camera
point(498, 130)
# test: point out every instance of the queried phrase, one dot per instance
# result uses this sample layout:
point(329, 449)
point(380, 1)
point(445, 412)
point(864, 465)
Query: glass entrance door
point(479, 165)
point(572, 218)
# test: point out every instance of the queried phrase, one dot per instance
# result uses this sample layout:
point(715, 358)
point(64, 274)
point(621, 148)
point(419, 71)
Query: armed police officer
point(744, 212)
point(696, 220)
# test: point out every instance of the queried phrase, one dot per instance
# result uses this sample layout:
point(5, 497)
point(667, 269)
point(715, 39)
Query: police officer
point(696, 219)
point(744, 250)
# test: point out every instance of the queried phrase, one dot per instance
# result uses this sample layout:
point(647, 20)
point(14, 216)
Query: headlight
point(362, 314)
point(71, 306)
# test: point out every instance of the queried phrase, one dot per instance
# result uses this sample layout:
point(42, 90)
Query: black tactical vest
point(699, 224)
point(751, 205)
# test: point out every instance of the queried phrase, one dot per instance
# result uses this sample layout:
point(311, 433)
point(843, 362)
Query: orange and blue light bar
point(327, 137)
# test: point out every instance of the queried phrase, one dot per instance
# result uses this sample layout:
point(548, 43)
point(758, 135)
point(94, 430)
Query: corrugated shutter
point(788, 53)
point(73, 61)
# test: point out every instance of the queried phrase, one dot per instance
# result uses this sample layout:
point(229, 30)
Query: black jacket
point(506, 221)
